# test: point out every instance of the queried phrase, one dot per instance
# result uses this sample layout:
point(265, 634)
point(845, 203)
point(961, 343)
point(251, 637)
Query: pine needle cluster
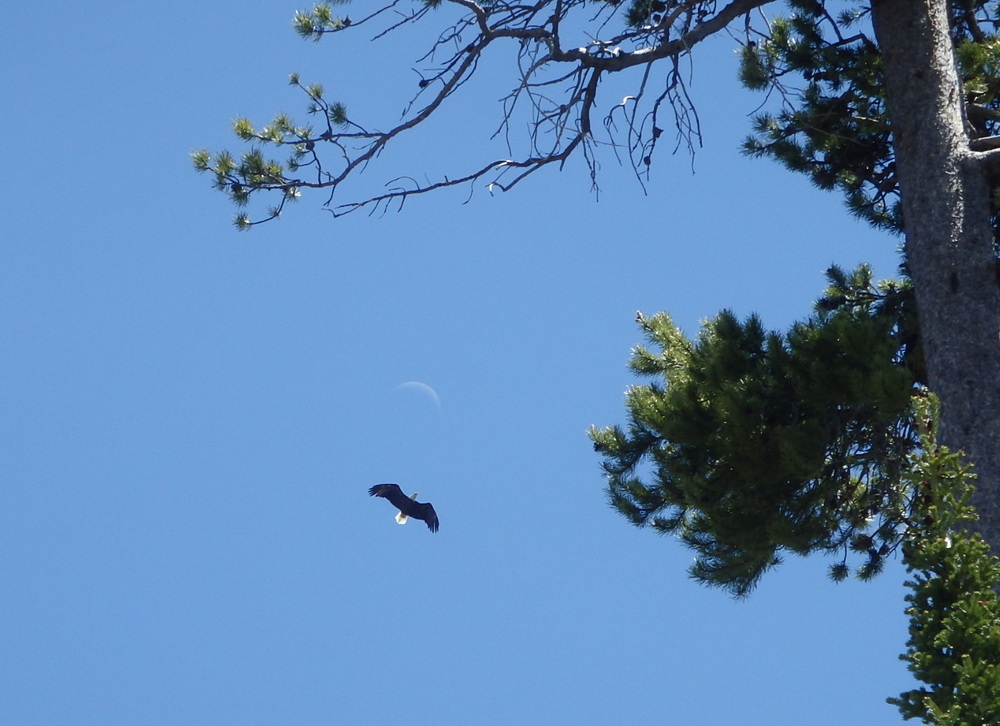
point(954, 644)
point(833, 124)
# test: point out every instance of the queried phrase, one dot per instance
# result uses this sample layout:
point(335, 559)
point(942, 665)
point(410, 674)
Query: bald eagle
point(407, 506)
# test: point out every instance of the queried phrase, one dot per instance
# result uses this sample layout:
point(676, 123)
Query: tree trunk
point(945, 194)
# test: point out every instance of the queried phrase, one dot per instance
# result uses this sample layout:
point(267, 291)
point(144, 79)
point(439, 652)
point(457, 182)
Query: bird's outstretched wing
point(393, 493)
point(426, 512)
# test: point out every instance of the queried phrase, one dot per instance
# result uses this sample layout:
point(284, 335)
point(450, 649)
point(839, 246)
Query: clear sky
point(190, 416)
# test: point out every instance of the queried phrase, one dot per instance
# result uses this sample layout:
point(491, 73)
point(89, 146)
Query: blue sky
point(191, 416)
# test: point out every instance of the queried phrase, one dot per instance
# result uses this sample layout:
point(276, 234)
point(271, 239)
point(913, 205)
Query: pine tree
point(749, 443)
point(954, 609)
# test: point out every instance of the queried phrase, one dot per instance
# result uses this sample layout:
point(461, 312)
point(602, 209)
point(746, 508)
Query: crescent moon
point(423, 388)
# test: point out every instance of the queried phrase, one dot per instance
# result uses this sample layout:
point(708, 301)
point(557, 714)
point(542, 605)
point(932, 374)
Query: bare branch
point(666, 49)
point(559, 103)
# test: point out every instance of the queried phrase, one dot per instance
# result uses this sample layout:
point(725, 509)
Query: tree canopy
point(748, 443)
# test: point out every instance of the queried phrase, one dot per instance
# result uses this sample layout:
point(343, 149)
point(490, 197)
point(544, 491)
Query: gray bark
point(945, 194)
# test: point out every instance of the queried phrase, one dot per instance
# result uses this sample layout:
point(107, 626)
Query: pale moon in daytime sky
point(423, 388)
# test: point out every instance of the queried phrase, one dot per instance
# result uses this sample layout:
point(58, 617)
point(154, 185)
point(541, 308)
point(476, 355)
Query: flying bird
point(407, 506)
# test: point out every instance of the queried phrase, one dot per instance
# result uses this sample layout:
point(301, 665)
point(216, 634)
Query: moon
point(422, 388)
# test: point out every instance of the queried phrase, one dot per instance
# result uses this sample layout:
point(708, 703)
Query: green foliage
point(314, 24)
point(833, 125)
point(755, 67)
point(980, 64)
point(255, 173)
point(835, 128)
point(641, 12)
point(750, 443)
point(954, 644)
